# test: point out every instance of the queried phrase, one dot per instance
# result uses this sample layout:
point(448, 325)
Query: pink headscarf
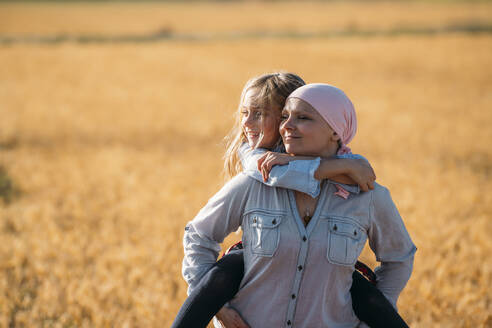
point(334, 106)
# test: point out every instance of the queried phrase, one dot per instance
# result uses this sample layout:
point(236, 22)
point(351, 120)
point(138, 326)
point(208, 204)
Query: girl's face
point(260, 125)
point(305, 132)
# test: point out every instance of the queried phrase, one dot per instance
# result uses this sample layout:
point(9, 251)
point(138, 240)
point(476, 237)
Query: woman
point(298, 260)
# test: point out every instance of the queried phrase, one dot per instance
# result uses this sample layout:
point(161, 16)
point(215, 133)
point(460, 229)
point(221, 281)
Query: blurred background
point(112, 118)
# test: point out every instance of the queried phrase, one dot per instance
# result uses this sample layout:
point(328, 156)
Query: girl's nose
point(248, 120)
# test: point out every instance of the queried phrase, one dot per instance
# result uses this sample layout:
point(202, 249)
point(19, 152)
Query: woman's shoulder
point(377, 196)
point(379, 188)
point(239, 188)
point(245, 186)
point(240, 182)
point(381, 199)
point(379, 191)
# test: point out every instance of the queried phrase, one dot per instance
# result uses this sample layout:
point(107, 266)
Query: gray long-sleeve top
point(201, 251)
point(298, 276)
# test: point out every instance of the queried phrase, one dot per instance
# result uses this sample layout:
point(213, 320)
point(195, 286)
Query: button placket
point(304, 233)
point(301, 261)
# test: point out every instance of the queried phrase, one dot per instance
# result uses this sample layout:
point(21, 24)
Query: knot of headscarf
point(334, 106)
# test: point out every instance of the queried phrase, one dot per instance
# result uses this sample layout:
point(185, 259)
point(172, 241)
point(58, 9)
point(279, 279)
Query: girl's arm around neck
point(296, 175)
point(304, 173)
point(347, 169)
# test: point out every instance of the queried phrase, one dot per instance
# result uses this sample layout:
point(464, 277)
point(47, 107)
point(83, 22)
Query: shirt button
point(304, 238)
point(293, 296)
point(289, 323)
point(299, 267)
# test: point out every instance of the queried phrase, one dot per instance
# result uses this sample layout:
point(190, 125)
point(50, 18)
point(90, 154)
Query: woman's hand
point(229, 318)
point(362, 173)
point(269, 159)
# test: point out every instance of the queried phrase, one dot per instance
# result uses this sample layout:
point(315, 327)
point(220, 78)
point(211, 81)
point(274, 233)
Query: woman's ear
point(335, 137)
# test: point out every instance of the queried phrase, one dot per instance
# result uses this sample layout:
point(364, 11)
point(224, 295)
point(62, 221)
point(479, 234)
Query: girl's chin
point(252, 142)
point(257, 144)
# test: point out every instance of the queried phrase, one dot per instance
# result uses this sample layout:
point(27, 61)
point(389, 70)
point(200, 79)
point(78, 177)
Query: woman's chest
point(337, 230)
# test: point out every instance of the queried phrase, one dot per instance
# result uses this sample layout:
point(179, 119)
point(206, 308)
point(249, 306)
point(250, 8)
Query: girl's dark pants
point(221, 283)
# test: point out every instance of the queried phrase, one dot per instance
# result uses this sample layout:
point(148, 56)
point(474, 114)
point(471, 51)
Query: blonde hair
point(272, 91)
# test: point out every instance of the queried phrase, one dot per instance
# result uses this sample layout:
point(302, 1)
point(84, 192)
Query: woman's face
point(305, 132)
point(260, 125)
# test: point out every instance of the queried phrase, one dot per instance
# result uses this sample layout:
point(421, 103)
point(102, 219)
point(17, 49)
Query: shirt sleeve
point(351, 156)
point(203, 235)
point(297, 175)
point(391, 243)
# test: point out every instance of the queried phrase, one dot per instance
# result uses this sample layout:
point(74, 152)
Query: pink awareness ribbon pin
point(341, 192)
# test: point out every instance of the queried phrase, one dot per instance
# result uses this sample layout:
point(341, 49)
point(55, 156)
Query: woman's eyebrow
point(300, 111)
point(308, 109)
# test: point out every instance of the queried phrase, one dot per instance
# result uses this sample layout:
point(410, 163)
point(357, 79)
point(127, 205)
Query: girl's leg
point(371, 306)
point(218, 286)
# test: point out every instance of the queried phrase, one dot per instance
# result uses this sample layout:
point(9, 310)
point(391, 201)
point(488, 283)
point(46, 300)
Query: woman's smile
point(290, 137)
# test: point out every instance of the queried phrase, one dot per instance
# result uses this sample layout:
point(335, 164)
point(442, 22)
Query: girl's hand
point(229, 318)
point(362, 173)
point(269, 159)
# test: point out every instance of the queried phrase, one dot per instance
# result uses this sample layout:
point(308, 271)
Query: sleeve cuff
point(351, 156)
point(312, 185)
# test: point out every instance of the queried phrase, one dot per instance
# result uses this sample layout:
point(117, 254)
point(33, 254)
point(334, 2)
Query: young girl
point(261, 102)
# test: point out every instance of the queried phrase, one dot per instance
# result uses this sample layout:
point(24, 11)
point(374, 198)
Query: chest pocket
point(264, 233)
point(345, 241)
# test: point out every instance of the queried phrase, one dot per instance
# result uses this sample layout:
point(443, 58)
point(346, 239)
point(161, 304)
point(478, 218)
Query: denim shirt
point(297, 175)
point(297, 276)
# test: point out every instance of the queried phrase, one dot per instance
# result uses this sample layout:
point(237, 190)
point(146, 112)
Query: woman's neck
point(306, 206)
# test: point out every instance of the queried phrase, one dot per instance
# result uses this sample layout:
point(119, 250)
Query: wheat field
point(112, 147)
